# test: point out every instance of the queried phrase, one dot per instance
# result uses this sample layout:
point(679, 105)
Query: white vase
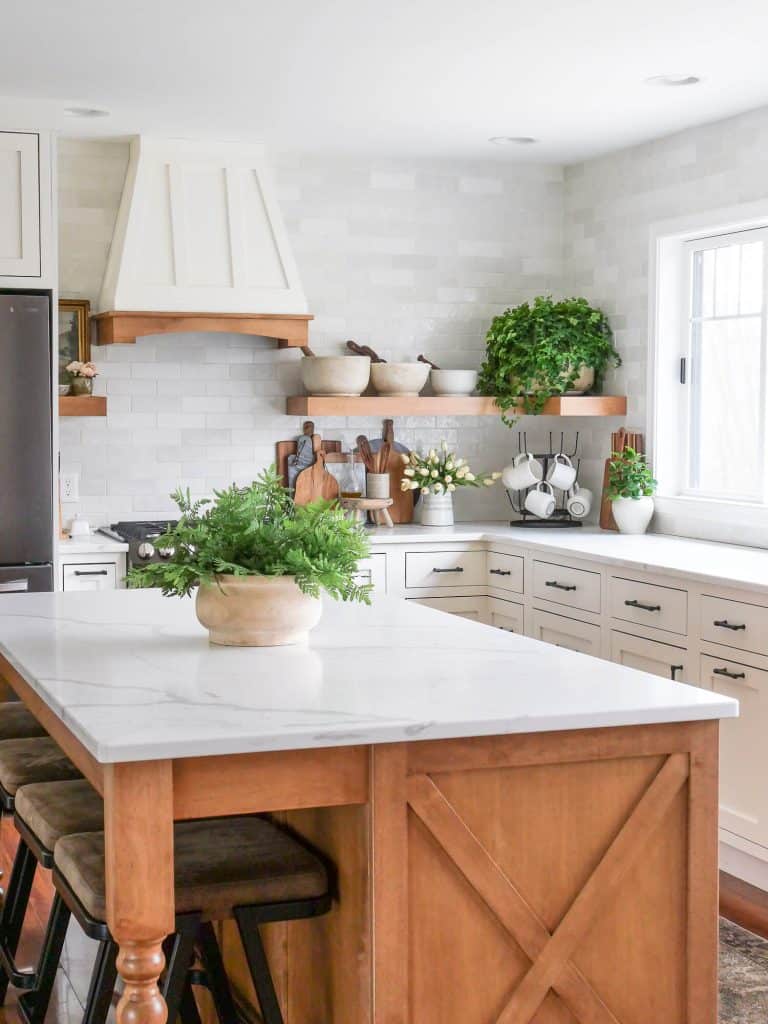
point(632, 515)
point(437, 509)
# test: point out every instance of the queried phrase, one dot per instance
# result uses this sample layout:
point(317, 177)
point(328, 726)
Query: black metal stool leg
point(218, 982)
point(179, 953)
point(14, 910)
point(258, 965)
point(33, 1006)
point(102, 986)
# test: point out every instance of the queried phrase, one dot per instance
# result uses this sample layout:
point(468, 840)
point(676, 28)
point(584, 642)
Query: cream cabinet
point(660, 659)
point(465, 607)
point(508, 615)
point(373, 571)
point(89, 576)
point(20, 240)
point(563, 631)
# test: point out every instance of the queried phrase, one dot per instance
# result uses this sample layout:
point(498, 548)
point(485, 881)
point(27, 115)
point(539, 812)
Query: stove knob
point(146, 550)
point(165, 552)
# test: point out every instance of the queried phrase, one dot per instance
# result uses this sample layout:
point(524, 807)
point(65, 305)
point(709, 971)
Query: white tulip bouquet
point(441, 472)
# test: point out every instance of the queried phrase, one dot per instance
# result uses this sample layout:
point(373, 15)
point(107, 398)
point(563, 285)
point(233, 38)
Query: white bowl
point(63, 389)
point(399, 378)
point(336, 375)
point(453, 382)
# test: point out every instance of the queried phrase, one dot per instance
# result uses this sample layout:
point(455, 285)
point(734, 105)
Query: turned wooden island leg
point(138, 826)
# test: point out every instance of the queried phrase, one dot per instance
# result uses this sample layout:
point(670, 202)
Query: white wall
point(408, 258)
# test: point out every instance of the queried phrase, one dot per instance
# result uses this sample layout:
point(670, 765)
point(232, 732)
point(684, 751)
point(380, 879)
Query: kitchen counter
point(133, 676)
point(95, 544)
point(704, 561)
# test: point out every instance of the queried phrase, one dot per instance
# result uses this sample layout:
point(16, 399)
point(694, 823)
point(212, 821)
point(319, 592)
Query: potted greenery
point(81, 377)
point(630, 489)
point(545, 348)
point(436, 476)
point(259, 562)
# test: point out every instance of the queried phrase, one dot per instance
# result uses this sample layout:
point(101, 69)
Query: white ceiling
point(431, 78)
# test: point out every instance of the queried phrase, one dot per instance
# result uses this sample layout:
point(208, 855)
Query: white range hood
point(199, 231)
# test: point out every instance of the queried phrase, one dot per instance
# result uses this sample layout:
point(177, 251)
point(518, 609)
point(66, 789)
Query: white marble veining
point(705, 561)
point(134, 677)
point(96, 544)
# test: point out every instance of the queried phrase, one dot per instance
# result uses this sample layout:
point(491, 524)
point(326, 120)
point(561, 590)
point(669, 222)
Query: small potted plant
point(437, 475)
point(258, 561)
point(630, 489)
point(545, 348)
point(81, 377)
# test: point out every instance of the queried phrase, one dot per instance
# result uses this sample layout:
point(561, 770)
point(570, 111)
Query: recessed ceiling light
point(673, 80)
point(512, 140)
point(85, 112)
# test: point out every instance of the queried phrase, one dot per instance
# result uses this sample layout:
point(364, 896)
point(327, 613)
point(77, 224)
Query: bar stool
point(24, 761)
point(17, 723)
point(243, 867)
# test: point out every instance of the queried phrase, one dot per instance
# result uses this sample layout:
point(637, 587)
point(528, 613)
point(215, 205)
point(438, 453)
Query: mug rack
point(561, 518)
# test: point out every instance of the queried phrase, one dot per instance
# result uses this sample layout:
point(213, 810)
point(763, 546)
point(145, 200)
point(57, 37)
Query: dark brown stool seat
point(16, 722)
point(220, 863)
point(34, 759)
point(46, 811)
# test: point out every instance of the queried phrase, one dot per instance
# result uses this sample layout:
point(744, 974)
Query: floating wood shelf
point(82, 405)
point(446, 405)
point(123, 328)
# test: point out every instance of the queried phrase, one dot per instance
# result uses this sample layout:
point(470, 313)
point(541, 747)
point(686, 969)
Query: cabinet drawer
point(649, 605)
point(659, 659)
point(373, 570)
point(505, 615)
point(735, 623)
point(464, 607)
point(505, 572)
point(89, 576)
point(743, 793)
point(444, 569)
point(565, 632)
point(577, 588)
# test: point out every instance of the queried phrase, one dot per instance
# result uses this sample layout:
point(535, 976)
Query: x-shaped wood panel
point(550, 953)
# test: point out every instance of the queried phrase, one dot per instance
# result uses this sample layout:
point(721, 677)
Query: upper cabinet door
point(19, 205)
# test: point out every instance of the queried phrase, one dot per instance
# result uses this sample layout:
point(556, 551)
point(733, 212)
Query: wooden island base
point(549, 878)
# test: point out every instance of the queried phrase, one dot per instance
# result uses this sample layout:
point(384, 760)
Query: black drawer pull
point(560, 586)
point(731, 675)
point(501, 572)
point(457, 569)
point(643, 607)
point(725, 624)
point(674, 669)
point(91, 572)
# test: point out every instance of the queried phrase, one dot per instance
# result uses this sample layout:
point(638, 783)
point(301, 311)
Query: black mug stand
point(561, 518)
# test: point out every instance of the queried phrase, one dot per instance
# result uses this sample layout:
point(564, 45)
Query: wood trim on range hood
point(119, 328)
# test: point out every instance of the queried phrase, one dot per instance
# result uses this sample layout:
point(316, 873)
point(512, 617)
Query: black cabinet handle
point(674, 669)
point(457, 569)
point(91, 572)
point(560, 586)
point(501, 572)
point(725, 624)
point(643, 607)
point(731, 675)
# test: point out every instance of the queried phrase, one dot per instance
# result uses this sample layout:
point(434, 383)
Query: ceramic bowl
point(453, 382)
point(336, 375)
point(399, 378)
point(63, 389)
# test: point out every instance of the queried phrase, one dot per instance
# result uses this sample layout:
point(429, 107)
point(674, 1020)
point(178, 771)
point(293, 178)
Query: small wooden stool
point(375, 508)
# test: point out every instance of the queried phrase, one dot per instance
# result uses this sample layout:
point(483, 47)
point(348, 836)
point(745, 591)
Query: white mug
point(79, 527)
point(525, 471)
point(539, 501)
point(579, 502)
point(561, 473)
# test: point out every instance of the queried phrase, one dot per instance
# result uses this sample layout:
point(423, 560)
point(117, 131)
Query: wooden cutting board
point(285, 448)
point(315, 482)
point(401, 510)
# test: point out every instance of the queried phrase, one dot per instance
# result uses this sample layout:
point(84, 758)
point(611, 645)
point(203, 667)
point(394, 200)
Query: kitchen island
point(520, 832)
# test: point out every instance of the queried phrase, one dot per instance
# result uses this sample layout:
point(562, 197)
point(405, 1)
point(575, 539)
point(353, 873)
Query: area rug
point(743, 976)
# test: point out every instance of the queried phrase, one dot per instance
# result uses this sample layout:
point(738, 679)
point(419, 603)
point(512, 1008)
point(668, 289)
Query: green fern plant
point(258, 531)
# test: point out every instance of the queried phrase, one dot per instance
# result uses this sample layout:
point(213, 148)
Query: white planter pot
point(256, 611)
point(632, 515)
point(437, 509)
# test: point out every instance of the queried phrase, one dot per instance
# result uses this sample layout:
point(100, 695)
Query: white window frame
point(680, 511)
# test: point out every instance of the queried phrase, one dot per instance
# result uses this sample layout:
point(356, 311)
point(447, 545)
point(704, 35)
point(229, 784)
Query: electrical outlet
point(70, 486)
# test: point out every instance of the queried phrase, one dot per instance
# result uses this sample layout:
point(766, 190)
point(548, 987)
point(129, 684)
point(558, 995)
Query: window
point(724, 368)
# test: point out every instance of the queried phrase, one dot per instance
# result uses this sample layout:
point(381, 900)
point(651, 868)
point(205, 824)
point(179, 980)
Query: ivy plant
point(537, 350)
point(258, 531)
point(629, 475)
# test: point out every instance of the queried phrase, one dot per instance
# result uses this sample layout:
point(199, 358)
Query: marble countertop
point(706, 561)
point(96, 544)
point(134, 677)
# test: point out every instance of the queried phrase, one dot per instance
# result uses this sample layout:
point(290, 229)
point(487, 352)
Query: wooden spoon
point(365, 350)
point(382, 457)
point(364, 447)
point(423, 359)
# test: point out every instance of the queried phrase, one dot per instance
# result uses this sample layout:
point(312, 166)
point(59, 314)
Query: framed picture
point(74, 334)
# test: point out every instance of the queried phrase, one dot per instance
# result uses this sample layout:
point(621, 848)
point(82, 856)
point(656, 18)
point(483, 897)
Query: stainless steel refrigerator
point(26, 439)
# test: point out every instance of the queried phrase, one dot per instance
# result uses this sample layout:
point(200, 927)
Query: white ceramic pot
point(583, 383)
point(437, 509)
point(399, 378)
point(256, 611)
point(336, 375)
point(453, 382)
point(632, 515)
point(377, 485)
